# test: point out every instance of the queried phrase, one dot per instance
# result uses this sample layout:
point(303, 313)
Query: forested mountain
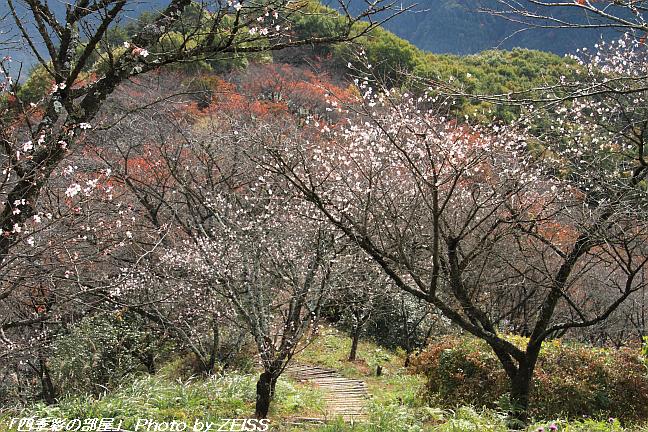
point(461, 27)
point(438, 26)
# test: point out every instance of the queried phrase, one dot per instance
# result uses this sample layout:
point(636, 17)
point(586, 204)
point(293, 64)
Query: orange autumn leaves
point(275, 90)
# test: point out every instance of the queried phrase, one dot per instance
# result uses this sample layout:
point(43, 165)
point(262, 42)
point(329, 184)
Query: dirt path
point(346, 398)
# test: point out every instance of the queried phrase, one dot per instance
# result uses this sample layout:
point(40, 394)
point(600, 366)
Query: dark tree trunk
point(520, 375)
point(520, 392)
point(215, 347)
point(149, 362)
point(49, 393)
point(355, 338)
point(264, 391)
point(273, 387)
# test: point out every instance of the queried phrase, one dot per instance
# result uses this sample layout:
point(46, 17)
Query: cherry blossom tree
point(40, 137)
point(274, 278)
point(64, 250)
point(622, 20)
point(254, 248)
point(243, 249)
point(72, 38)
point(626, 16)
point(463, 216)
point(65, 262)
point(36, 137)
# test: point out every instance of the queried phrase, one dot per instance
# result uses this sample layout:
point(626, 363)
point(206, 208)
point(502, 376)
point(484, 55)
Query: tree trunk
point(264, 390)
point(49, 393)
point(520, 392)
point(215, 347)
point(273, 387)
point(149, 362)
point(408, 360)
point(355, 338)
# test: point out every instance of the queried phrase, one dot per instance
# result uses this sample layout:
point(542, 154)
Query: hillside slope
point(438, 26)
point(458, 27)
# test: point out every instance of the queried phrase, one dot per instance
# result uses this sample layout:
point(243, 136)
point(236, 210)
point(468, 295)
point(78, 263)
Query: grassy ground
point(395, 405)
point(162, 399)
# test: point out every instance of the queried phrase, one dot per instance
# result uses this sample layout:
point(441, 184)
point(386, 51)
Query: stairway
point(346, 398)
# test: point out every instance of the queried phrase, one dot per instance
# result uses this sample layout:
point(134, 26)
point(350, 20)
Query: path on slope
point(344, 397)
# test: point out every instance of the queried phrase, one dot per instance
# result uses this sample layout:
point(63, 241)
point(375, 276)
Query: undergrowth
point(398, 402)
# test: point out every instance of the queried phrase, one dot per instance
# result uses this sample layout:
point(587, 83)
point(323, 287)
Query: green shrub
point(38, 85)
point(99, 351)
point(570, 380)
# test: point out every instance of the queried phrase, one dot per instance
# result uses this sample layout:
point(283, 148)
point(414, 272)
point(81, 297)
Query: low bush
point(571, 380)
point(97, 353)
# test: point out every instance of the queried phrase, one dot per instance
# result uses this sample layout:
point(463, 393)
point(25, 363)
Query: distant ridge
point(438, 26)
point(458, 27)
